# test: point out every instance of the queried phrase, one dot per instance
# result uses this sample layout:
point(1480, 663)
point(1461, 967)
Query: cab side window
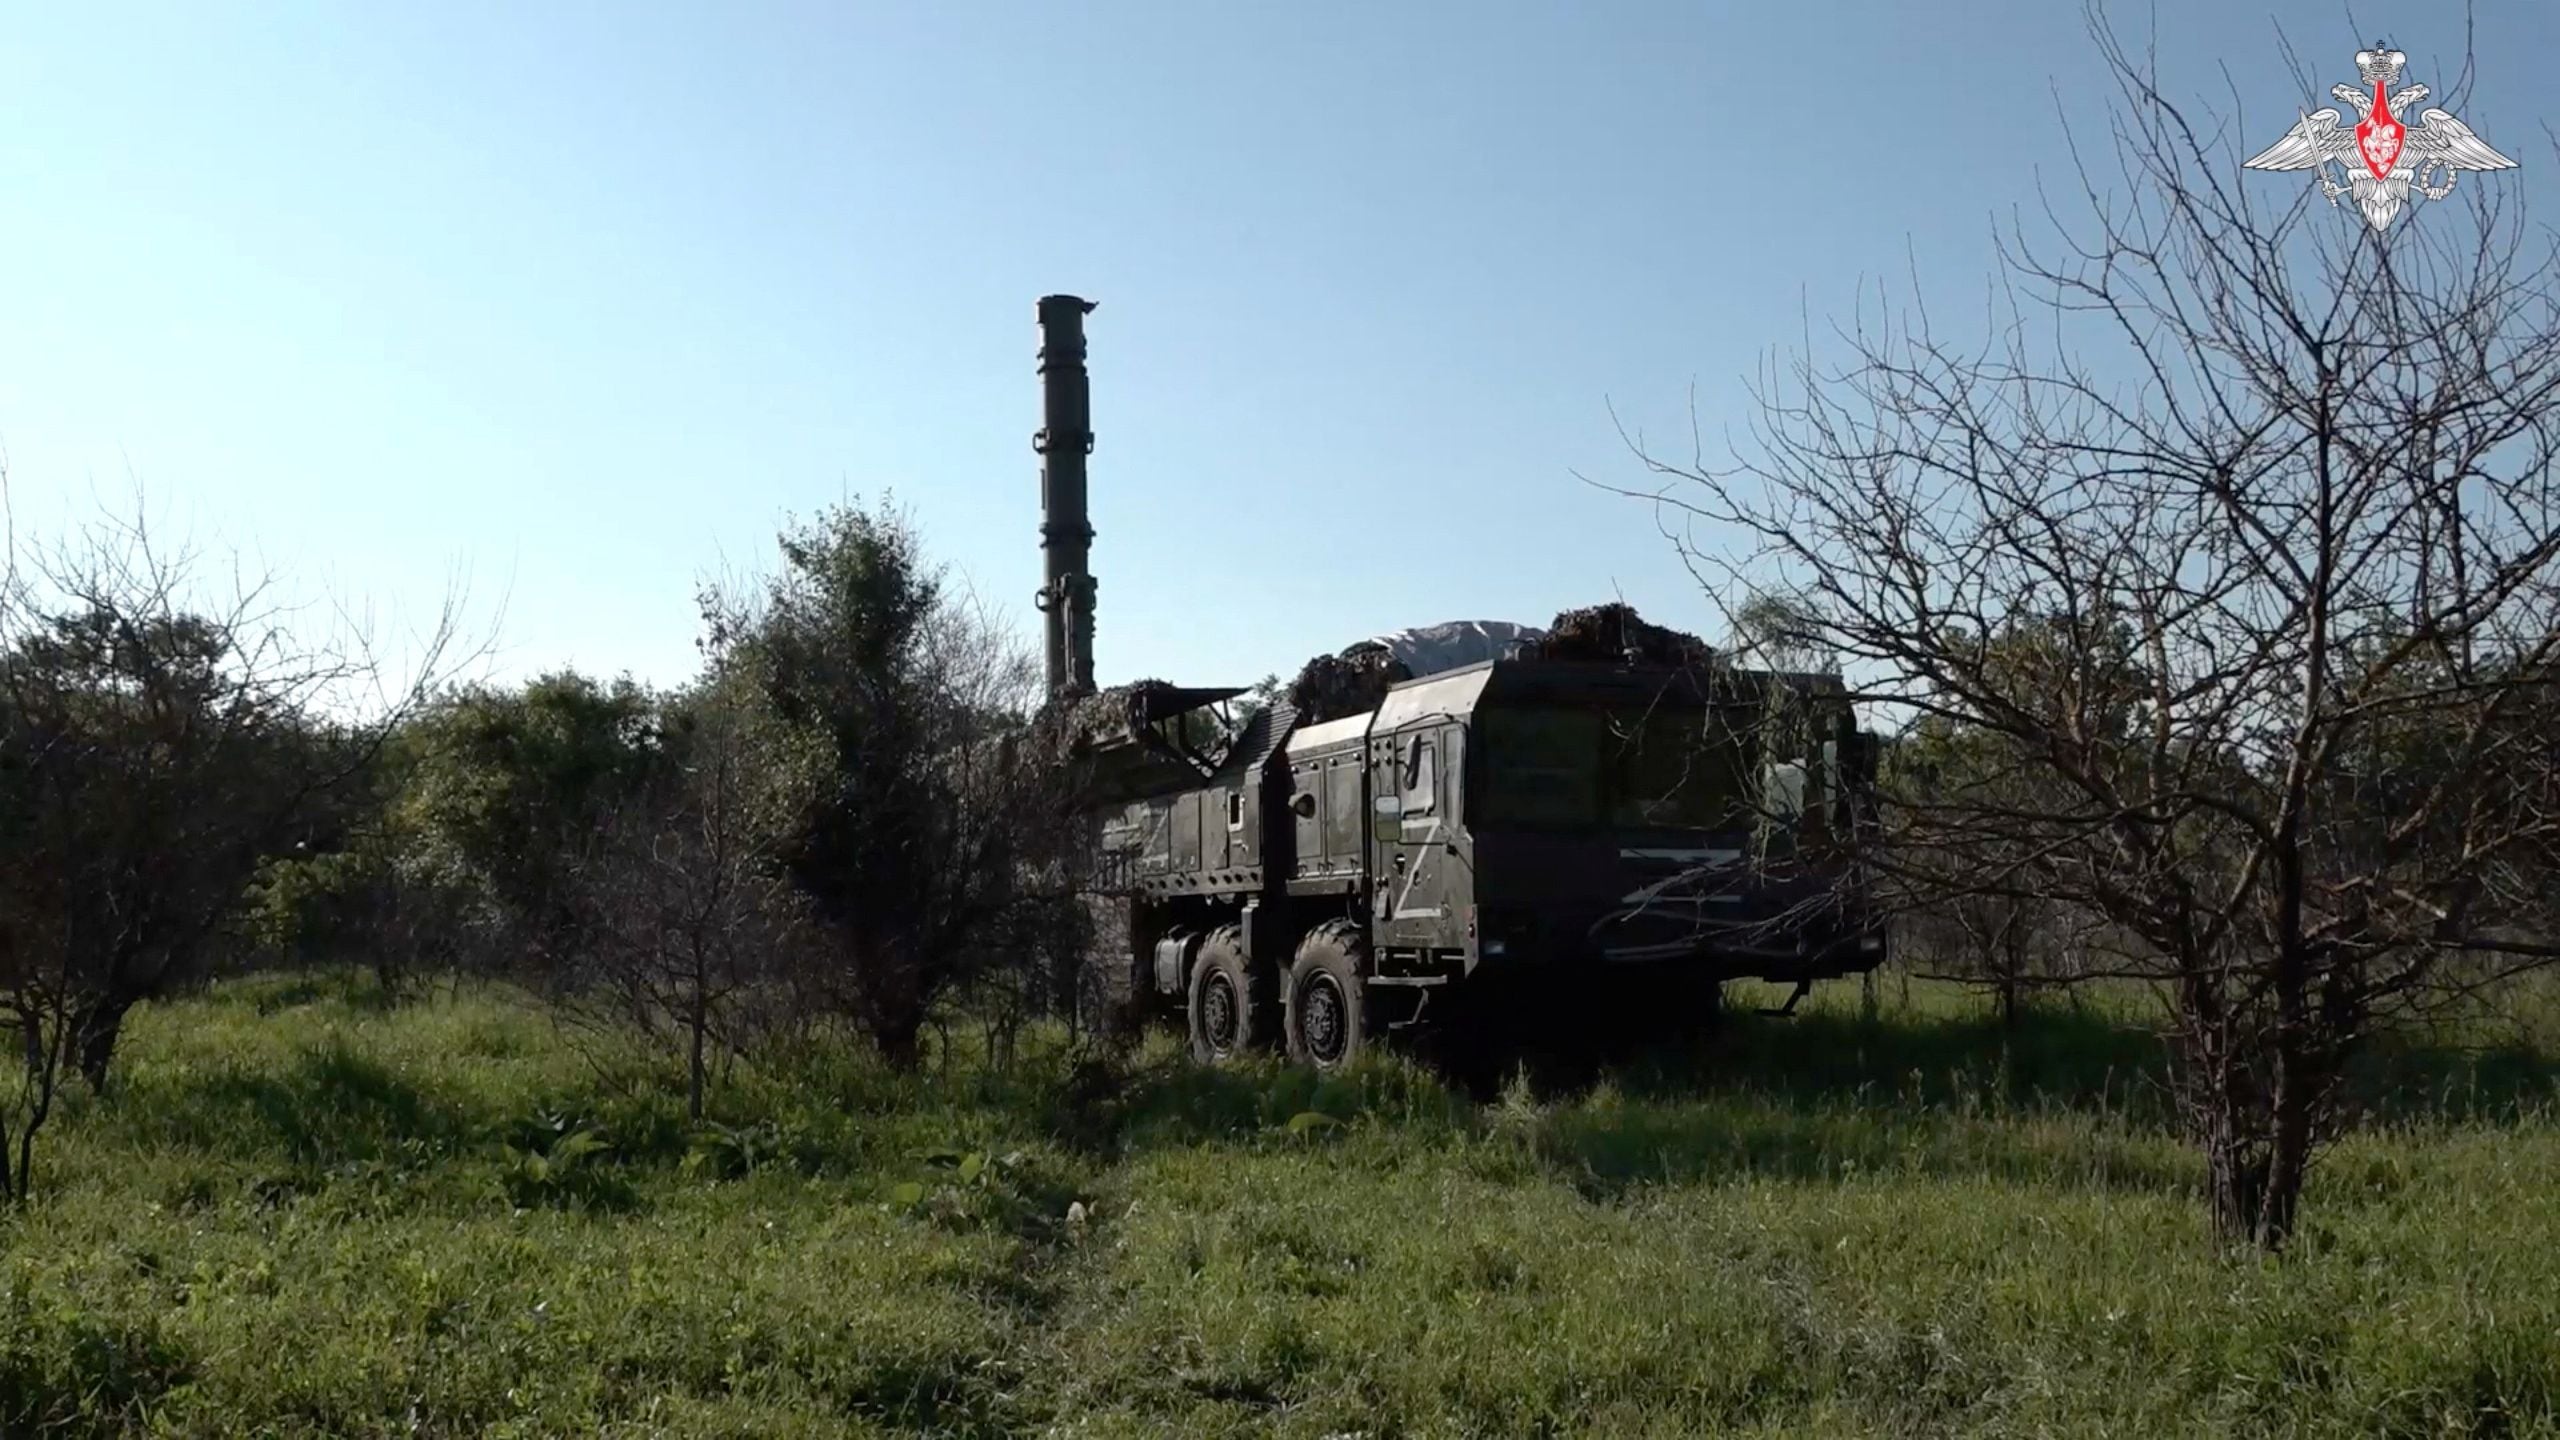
point(1421, 780)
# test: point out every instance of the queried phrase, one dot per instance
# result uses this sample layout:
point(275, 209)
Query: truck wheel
point(1231, 1005)
point(1328, 1012)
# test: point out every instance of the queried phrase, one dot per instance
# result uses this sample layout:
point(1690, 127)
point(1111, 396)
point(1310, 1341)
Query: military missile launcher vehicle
point(1513, 814)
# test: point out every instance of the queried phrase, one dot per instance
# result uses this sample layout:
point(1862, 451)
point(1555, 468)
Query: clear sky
point(580, 299)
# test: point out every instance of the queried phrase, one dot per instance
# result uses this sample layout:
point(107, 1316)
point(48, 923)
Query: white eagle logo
point(2383, 157)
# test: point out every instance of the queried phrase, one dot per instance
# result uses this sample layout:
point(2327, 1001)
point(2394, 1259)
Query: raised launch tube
point(1066, 529)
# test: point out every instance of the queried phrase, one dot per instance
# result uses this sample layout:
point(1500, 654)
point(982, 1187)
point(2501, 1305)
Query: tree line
point(847, 816)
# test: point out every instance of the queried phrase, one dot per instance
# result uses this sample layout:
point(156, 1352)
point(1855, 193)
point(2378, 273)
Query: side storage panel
point(1243, 819)
point(1306, 818)
point(1186, 834)
point(1330, 838)
point(1213, 830)
point(1345, 807)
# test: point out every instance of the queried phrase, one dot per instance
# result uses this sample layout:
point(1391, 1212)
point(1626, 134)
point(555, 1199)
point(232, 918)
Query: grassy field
point(307, 1212)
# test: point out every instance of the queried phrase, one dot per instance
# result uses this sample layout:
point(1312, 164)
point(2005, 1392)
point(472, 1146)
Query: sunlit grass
point(305, 1211)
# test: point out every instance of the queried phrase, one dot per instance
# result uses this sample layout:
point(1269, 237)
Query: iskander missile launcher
point(1594, 819)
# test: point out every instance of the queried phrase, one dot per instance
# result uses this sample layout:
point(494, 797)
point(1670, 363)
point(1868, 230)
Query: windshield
point(1653, 768)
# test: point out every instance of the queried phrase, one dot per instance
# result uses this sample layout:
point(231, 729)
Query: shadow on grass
point(2408, 1081)
point(1605, 1152)
point(65, 1371)
point(2086, 1061)
point(1624, 1130)
point(1175, 1103)
point(330, 1104)
point(356, 992)
point(339, 1126)
point(2075, 1097)
point(2059, 1059)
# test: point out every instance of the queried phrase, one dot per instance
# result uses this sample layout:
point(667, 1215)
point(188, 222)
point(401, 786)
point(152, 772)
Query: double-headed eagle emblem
point(2383, 156)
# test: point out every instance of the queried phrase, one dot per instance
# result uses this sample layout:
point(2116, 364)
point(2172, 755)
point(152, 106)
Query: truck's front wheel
point(1328, 1013)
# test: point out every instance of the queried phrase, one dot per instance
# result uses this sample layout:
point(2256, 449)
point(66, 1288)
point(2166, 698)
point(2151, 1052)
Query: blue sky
point(578, 300)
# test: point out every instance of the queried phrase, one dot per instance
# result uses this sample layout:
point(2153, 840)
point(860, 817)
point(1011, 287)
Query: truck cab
point(1554, 813)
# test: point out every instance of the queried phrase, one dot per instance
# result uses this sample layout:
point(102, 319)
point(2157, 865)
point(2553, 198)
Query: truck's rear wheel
point(1231, 1006)
point(1327, 1014)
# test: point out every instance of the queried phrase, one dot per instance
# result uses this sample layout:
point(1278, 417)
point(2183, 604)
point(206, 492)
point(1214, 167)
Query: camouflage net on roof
point(1330, 687)
point(1356, 678)
point(1607, 632)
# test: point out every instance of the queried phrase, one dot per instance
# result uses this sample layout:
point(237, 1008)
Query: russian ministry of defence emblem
point(2384, 158)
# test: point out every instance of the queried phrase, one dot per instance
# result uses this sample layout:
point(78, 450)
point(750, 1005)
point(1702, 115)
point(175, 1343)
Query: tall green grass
point(307, 1211)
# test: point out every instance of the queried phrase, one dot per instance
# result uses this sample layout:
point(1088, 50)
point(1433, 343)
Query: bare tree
point(683, 909)
point(1779, 631)
point(158, 742)
point(2233, 548)
point(1995, 937)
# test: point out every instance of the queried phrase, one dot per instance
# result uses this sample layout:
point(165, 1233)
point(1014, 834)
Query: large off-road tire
point(1233, 1012)
point(1327, 1010)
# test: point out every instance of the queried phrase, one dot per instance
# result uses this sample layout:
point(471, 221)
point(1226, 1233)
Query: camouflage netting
point(1357, 677)
point(1104, 714)
point(1097, 735)
point(1330, 687)
point(1607, 632)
